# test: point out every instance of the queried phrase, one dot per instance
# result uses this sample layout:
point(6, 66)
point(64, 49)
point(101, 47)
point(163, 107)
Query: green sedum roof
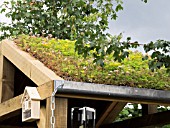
point(60, 56)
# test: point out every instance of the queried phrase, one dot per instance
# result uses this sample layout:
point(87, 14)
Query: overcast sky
point(143, 22)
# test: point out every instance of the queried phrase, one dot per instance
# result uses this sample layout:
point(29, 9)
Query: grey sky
point(143, 22)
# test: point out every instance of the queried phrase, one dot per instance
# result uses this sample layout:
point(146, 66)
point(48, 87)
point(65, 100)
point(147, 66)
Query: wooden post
point(7, 80)
point(61, 108)
point(48, 112)
point(61, 112)
point(148, 109)
point(1, 71)
point(42, 122)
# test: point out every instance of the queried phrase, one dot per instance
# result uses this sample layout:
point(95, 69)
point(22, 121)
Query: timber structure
point(18, 69)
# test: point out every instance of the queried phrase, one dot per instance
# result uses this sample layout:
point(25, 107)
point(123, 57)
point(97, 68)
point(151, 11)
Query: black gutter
point(112, 92)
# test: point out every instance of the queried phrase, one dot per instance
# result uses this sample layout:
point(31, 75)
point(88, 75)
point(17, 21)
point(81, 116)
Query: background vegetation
point(85, 21)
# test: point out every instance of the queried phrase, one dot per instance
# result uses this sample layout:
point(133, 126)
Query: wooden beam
point(160, 118)
point(10, 106)
point(149, 109)
point(60, 113)
point(9, 126)
point(14, 104)
point(32, 68)
point(1, 71)
point(42, 122)
point(7, 80)
point(110, 113)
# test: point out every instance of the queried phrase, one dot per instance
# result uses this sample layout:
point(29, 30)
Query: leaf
point(145, 58)
point(119, 7)
point(155, 54)
point(100, 62)
point(2, 10)
point(125, 112)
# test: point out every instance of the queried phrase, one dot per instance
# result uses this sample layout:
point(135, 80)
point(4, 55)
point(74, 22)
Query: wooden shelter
point(18, 70)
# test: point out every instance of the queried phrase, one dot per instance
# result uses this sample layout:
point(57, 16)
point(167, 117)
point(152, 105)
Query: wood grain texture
point(7, 80)
point(48, 112)
point(10, 106)
point(60, 112)
point(1, 71)
point(32, 68)
point(110, 113)
point(42, 122)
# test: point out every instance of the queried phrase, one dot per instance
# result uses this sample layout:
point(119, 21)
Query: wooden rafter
point(160, 118)
point(110, 113)
point(32, 68)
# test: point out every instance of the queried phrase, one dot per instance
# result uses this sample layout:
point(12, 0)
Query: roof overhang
point(112, 93)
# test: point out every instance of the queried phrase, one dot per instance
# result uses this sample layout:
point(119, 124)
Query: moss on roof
point(59, 56)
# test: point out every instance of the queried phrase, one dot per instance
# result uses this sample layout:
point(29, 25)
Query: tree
point(85, 21)
point(160, 56)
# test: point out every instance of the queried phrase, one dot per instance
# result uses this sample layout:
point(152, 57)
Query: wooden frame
point(14, 104)
point(147, 120)
point(42, 122)
point(7, 80)
point(1, 71)
point(149, 109)
point(44, 78)
point(22, 59)
point(60, 112)
point(110, 113)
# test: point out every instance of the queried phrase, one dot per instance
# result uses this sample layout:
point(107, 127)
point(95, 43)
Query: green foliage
point(85, 21)
point(130, 111)
point(166, 126)
point(59, 55)
point(160, 55)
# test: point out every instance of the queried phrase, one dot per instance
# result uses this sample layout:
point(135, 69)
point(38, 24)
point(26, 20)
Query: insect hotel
point(50, 101)
point(30, 104)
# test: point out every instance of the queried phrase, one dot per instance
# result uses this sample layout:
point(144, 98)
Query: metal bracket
point(57, 84)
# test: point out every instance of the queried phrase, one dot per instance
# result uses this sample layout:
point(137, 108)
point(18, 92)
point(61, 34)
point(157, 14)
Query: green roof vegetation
point(60, 56)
